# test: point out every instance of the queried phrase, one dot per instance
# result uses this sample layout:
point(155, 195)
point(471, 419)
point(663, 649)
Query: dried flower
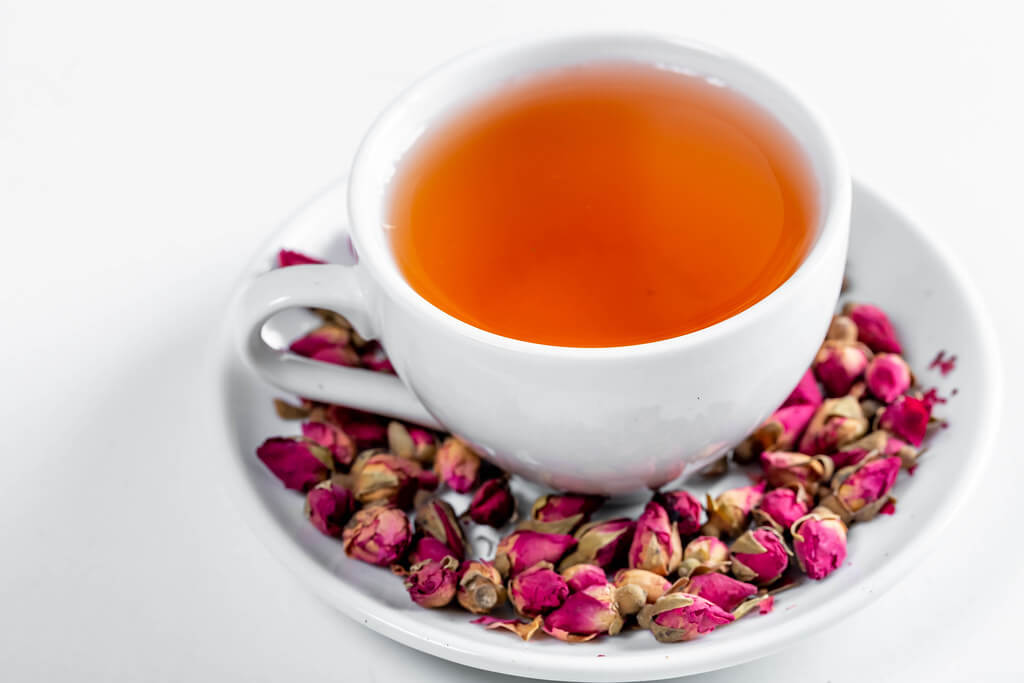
point(414, 443)
point(328, 507)
point(888, 376)
point(759, 556)
point(480, 587)
point(806, 392)
point(842, 329)
point(780, 432)
point(367, 430)
point(729, 513)
point(436, 518)
point(378, 534)
point(682, 508)
point(591, 612)
point(724, 591)
point(704, 554)
point(873, 327)
point(579, 576)
point(836, 423)
point(839, 364)
point(653, 585)
point(428, 548)
point(340, 444)
point(431, 583)
point(561, 513)
point(819, 542)
point(680, 616)
point(493, 503)
point(523, 629)
point(796, 469)
point(602, 543)
point(524, 548)
point(781, 507)
point(287, 257)
point(373, 357)
point(299, 463)
point(386, 477)
point(457, 465)
point(537, 590)
point(859, 492)
point(907, 417)
point(329, 344)
point(656, 545)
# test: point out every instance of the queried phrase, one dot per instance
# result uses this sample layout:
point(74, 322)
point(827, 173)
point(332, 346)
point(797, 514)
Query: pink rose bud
point(287, 257)
point(781, 507)
point(373, 357)
point(656, 545)
point(842, 329)
point(682, 508)
point(839, 364)
point(579, 576)
point(561, 513)
point(329, 344)
point(524, 548)
point(428, 548)
point(796, 469)
point(806, 392)
point(729, 513)
point(780, 432)
point(432, 583)
point(414, 443)
point(387, 478)
point(328, 507)
point(873, 328)
point(457, 465)
point(523, 629)
point(341, 446)
point(859, 492)
point(878, 441)
point(724, 591)
point(819, 542)
point(300, 464)
point(907, 453)
point(888, 376)
point(704, 554)
point(907, 417)
point(653, 585)
point(493, 503)
point(680, 616)
point(760, 556)
point(480, 587)
point(602, 543)
point(436, 518)
point(836, 423)
point(537, 590)
point(591, 612)
point(367, 430)
point(379, 534)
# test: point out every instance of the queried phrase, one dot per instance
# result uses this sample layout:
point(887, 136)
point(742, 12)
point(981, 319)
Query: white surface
point(145, 151)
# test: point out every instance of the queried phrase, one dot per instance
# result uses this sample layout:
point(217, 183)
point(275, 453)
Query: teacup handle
point(332, 287)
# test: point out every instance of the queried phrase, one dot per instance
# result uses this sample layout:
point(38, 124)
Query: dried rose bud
point(796, 469)
point(724, 591)
point(716, 468)
point(807, 392)
point(842, 329)
point(299, 463)
point(373, 357)
point(729, 513)
point(413, 443)
point(859, 492)
point(287, 257)
point(839, 364)
point(656, 545)
point(340, 444)
point(386, 477)
point(907, 453)
point(328, 507)
point(781, 507)
point(602, 543)
point(436, 518)
point(523, 629)
point(432, 583)
point(379, 534)
point(888, 376)
point(480, 587)
point(493, 503)
point(579, 576)
point(759, 556)
point(780, 432)
point(427, 480)
point(428, 548)
point(591, 612)
point(561, 513)
point(836, 423)
point(873, 327)
point(682, 508)
point(907, 417)
point(367, 430)
point(704, 554)
point(680, 616)
point(328, 344)
point(524, 548)
point(819, 542)
point(653, 585)
point(457, 465)
point(537, 590)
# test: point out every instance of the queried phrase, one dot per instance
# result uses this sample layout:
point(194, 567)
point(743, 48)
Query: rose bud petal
point(759, 556)
point(780, 432)
point(414, 443)
point(299, 463)
point(432, 583)
point(367, 430)
point(704, 554)
point(328, 507)
point(859, 492)
point(807, 392)
point(836, 423)
point(589, 613)
point(682, 508)
point(839, 364)
point(819, 542)
point(340, 444)
point(907, 453)
point(680, 616)
point(796, 469)
point(842, 329)
point(724, 591)
point(561, 513)
point(493, 503)
point(781, 507)
point(907, 417)
point(762, 602)
point(387, 478)
point(373, 357)
point(480, 587)
point(524, 548)
point(873, 328)
point(602, 543)
point(457, 465)
point(888, 376)
point(428, 548)
point(379, 534)
point(436, 518)
point(856, 451)
point(537, 590)
point(653, 585)
point(579, 576)
point(656, 545)
point(287, 257)
point(729, 513)
point(523, 629)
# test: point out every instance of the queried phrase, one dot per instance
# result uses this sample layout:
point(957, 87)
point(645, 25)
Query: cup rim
point(384, 271)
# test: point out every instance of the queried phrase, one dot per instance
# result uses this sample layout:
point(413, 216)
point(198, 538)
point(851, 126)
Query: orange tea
point(602, 205)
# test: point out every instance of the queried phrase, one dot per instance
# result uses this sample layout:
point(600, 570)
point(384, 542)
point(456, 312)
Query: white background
point(146, 149)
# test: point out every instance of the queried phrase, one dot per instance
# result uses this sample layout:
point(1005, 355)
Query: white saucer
point(893, 263)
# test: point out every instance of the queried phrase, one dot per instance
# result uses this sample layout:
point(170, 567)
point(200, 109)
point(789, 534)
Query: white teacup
point(599, 420)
